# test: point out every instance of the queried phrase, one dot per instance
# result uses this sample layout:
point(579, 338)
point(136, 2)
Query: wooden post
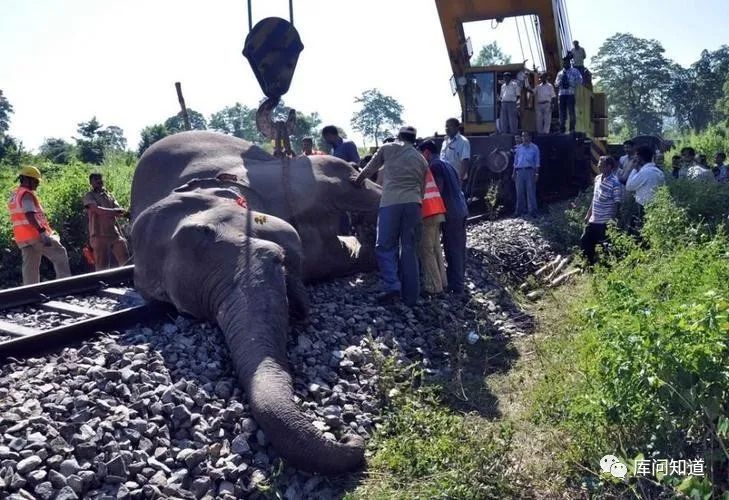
point(185, 117)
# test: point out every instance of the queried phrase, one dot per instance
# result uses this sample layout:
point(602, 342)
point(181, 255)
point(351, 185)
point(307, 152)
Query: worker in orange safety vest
point(31, 230)
point(431, 253)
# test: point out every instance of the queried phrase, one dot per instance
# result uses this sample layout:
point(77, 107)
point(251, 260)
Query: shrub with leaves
point(648, 351)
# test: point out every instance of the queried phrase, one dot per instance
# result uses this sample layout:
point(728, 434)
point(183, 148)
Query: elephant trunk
point(254, 320)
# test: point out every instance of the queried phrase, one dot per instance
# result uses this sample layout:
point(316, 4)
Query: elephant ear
point(195, 239)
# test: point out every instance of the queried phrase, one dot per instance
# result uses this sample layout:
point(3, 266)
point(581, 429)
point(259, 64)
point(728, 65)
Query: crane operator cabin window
point(480, 97)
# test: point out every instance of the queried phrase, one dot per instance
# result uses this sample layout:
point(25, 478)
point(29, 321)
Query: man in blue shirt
point(526, 173)
point(454, 227)
point(346, 150)
point(566, 84)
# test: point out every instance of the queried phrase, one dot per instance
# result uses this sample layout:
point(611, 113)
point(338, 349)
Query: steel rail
point(40, 292)
point(28, 342)
point(45, 341)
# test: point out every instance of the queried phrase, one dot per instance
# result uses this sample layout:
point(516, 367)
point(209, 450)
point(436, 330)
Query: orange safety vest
point(23, 231)
point(432, 201)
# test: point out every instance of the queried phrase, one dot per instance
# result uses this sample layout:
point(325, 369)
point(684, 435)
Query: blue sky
point(64, 61)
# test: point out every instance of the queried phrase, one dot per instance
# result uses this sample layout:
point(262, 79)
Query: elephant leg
point(254, 320)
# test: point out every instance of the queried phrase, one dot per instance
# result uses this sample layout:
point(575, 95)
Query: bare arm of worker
point(375, 163)
point(589, 213)
point(105, 212)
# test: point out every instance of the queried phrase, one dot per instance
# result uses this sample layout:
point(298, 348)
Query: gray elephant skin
point(225, 232)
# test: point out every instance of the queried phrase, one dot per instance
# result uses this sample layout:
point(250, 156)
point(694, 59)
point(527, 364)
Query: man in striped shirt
point(605, 203)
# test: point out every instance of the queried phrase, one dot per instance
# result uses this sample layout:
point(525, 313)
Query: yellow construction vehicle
point(567, 159)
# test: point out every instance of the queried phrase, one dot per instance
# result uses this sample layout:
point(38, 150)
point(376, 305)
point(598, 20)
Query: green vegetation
point(427, 451)
point(60, 193)
point(640, 367)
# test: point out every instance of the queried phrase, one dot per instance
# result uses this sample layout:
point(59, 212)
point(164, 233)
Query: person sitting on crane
point(510, 92)
point(567, 81)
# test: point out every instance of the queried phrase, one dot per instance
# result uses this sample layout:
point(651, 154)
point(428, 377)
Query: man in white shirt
point(456, 149)
point(508, 98)
point(644, 180)
point(544, 95)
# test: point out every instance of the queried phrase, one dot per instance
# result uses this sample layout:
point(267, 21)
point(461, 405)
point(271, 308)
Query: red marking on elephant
point(241, 201)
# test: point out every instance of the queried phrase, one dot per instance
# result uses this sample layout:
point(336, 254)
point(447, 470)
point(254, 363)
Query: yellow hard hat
point(31, 172)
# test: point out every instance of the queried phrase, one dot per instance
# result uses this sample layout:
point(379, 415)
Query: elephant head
point(202, 250)
point(311, 193)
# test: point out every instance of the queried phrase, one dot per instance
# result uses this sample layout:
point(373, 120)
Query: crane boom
point(554, 31)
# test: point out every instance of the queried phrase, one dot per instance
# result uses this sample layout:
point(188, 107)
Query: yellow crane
point(567, 159)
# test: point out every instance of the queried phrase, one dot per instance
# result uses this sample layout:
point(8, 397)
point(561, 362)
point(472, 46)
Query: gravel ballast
point(156, 412)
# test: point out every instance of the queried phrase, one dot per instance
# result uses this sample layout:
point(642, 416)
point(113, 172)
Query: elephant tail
point(254, 320)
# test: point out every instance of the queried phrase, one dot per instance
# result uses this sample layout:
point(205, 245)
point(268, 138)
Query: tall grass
point(60, 192)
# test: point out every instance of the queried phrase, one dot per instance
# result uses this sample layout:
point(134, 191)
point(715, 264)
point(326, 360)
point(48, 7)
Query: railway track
point(38, 318)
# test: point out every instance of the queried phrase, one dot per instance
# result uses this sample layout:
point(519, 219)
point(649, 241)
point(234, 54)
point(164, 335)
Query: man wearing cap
point(568, 79)
point(454, 227)
point(399, 219)
point(508, 97)
point(31, 230)
point(104, 236)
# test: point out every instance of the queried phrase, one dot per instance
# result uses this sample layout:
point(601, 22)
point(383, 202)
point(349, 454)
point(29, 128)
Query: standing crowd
point(422, 204)
point(638, 175)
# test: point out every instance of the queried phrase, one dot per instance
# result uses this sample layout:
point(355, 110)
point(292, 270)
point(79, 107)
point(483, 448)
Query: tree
point(113, 138)
point(96, 141)
point(697, 90)
point(722, 105)
point(150, 135)
point(490, 55)
point(307, 125)
point(237, 120)
point(176, 123)
point(379, 114)
point(6, 109)
point(11, 150)
point(56, 150)
point(637, 78)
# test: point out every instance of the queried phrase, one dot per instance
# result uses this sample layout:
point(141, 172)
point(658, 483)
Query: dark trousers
point(593, 235)
point(566, 105)
point(636, 221)
point(454, 243)
point(398, 234)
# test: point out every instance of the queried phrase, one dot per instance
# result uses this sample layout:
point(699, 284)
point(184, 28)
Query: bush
point(648, 347)
point(60, 193)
